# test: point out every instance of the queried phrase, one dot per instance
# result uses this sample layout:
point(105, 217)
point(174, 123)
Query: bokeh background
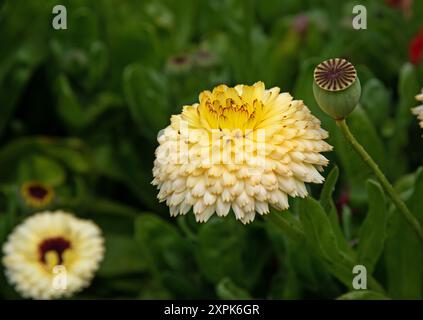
point(80, 110)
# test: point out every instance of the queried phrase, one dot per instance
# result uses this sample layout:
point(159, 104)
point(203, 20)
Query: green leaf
point(363, 295)
point(168, 256)
point(85, 27)
point(78, 113)
point(372, 232)
point(228, 249)
point(286, 221)
point(98, 63)
point(318, 229)
point(136, 172)
point(11, 87)
point(151, 290)
point(123, 256)
point(321, 238)
point(4, 227)
point(123, 287)
point(69, 107)
point(146, 94)
point(285, 284)
point(347, 223)
point(52, 157)
point(227, 290)
point(404, 185)
point(328, 205)
point(376, 101)
point(75, 160)
point(299, 269)
point(416, 200)
point(161, 242)
point(23, 51)
point(41, 168)
point(328, 188)
point(404, 254)
point(124, 163)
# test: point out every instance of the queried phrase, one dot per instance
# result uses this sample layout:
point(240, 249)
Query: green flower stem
point(182, 222)
point(106, 206)
point(100, 205)
point(401, 206)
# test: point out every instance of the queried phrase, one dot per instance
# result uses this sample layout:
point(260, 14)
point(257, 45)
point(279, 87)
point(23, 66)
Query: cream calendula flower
point(418, 111)
point(52, 254)
point(241, 148)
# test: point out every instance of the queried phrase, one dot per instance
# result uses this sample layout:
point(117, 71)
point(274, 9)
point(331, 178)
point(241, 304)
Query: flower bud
point(336, 87)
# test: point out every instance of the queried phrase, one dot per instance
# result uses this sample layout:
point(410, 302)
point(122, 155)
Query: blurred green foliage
point(80, 110)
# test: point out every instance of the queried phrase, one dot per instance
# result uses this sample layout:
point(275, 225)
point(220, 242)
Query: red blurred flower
point(301, 24)
point(342, 201)
point(415, 48)
point(403, 5)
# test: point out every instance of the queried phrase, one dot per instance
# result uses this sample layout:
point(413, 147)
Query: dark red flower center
point(57, 244)
point(37, 191)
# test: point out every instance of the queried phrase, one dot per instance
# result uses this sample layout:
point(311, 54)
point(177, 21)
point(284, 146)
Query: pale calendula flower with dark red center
point(52, 255)
point(418, 111)
point(241, 148)
point(37, 194)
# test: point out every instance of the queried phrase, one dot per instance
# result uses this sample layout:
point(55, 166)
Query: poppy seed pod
point(336, 87)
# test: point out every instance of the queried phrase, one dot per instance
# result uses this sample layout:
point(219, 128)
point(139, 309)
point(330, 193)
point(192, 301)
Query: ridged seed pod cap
point(336, 87)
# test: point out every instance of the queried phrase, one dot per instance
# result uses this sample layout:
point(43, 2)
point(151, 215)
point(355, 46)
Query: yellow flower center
point(53, 258)
point(229, 108)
